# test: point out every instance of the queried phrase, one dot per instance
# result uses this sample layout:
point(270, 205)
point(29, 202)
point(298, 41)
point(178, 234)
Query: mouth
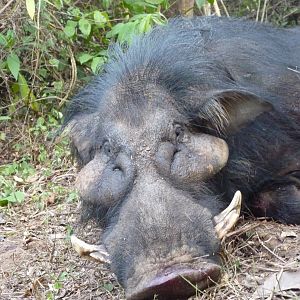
point(177, 282)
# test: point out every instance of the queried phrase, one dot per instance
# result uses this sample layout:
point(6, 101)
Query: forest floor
point(38, 262)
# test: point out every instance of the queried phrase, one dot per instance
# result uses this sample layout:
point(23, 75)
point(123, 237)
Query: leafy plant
point(61, 41)
point(57, 285)
point(31, 169)
point(138, 24)
point(11, 191)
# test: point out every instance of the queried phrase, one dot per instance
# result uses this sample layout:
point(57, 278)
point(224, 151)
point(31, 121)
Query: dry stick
point(5, 80)
point(269, 250)
point(207, 9)
point(294, 70)
point(263, 268)
point(51, 256)
point(173, 3)
point(74, 67)
point(35, 68)
point(217, 9)
point(36, 64)
point(224, 7)
point(37, 100)
point(263, 11)
point(6, 6)
point(186, 7)
point(257, 13)
point(291, 266)
point(243, 229)
point(37, 45)
point(73, 64)
point(73, 77)
point(277, 284)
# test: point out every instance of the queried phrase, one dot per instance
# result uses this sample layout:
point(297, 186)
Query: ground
point(38, 262)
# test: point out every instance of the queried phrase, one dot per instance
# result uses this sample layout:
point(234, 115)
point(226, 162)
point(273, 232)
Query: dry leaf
point(288, 233)
point(18, 179)
point(57, 236)
point(2, 220)
point(51, 199)
point(281, 281)
point(32, 178)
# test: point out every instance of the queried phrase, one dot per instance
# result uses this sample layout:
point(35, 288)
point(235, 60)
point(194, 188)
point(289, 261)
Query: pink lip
point(178, 282)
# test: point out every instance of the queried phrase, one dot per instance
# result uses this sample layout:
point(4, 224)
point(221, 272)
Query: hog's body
point(188, 115)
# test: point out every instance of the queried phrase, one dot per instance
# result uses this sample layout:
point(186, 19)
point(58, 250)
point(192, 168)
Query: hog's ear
point(231, 110)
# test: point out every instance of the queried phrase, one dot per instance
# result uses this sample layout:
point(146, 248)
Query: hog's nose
point(178, 282)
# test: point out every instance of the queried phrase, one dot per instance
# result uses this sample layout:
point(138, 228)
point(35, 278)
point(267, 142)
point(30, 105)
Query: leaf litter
point(261, 258)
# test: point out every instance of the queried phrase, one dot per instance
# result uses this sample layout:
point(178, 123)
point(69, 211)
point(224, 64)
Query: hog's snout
point(105, 180)
point(200, 157)
point(165, 243)
point(177, 282)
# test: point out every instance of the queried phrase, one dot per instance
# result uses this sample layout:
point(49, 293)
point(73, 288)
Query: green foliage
point(56, 42)
point(57, 284)
point(52, 44)
point(138, 24)
point(200, 3)
point(29, 176)
point(11, 176)
point(4, 118)
point(13, 64)
point(26, 94)
point(108, 286)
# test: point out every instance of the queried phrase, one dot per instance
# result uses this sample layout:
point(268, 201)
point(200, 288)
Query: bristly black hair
point(181, 58)
point(169, 56)
point(178, 58)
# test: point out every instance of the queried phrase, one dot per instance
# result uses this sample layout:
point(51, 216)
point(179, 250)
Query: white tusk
point(229, 216)
point(96, 252)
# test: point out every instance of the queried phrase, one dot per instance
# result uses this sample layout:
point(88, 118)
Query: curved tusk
point(96, 252)
point(229, 216)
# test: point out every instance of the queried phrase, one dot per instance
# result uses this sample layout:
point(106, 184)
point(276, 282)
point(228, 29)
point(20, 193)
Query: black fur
point(182, 59)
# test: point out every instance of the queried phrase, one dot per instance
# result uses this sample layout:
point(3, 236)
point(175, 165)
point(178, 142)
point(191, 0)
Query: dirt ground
point(37, 261)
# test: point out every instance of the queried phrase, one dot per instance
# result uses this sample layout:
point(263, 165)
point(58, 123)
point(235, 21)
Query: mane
point(175, 57)
point(168, 56)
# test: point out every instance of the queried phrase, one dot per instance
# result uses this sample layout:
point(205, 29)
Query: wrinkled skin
point(188, 115)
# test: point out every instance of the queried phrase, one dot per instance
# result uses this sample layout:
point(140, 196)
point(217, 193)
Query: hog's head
point(145, 177)
point(147, 141)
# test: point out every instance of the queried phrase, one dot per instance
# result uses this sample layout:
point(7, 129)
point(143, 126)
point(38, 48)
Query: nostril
point(178, 283)
point(117, 168)
point(176, 150)
point(123, 164)
point(174, 157)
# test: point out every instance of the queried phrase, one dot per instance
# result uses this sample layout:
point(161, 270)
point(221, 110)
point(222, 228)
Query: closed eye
point(203, 126)
point(93, 150)
point(179, 133)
